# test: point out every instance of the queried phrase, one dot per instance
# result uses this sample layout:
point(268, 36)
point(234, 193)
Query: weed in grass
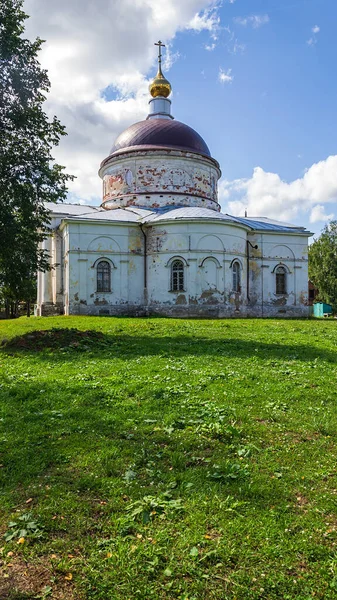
point(23, 527)
point(149, 507)
point(229, 471)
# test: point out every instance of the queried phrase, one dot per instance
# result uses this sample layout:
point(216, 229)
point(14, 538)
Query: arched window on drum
point(177, 276)
point(103, 276)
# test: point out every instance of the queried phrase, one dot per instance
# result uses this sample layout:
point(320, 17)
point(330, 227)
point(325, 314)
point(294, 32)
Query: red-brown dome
point(160, 133)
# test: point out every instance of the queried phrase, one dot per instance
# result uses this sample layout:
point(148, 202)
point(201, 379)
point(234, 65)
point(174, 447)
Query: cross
point(160, 44)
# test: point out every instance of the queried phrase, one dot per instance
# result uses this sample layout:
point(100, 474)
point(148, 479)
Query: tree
point(323, 264)
point(29, 177)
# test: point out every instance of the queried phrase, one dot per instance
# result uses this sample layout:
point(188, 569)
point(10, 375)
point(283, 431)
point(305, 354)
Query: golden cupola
point(160, 86)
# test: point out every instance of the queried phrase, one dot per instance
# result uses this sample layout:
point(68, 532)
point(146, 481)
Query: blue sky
point(256, 78)
point(279, 111)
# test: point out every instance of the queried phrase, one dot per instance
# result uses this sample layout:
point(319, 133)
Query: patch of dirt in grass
point(298, 569)
point(262, 421)
point(55, 339)
point(331, 522)
point(19, 579)
point(301, 501)
point(213, 534)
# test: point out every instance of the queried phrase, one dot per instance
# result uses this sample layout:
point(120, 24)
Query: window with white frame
point(281, 280)
point(177, 276)
point(103, 276)
point(236, 268)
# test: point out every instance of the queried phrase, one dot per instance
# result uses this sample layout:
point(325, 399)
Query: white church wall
point(207, 250)
point(118, 244)
point(275, 249)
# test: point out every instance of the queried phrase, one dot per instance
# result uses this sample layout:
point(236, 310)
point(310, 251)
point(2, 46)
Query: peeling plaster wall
point(160, 179)
point(207, 250)
point(275, 249)
point(83, 245)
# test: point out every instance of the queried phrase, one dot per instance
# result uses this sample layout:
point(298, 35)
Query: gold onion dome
point(160, 86)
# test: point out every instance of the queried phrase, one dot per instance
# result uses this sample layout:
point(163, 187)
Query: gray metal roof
point(117, 214)
point(134, 214)
point(266, 225)
point(70, 209)
point(188, 212)
point(263, 224)
point(274, 222)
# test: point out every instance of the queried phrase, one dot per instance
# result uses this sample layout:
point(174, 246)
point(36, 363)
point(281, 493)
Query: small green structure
point(322, 310)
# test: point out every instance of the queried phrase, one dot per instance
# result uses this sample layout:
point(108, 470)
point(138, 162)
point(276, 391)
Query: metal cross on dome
point(161, 45)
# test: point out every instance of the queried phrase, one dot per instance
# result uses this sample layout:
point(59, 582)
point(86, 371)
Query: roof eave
point(195, 220)
point(70, 220)
point(276, 232)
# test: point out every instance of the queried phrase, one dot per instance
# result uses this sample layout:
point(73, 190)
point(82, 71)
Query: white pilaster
point(46, 277)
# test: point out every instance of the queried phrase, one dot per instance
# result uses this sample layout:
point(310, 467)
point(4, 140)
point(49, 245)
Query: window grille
point(281, 280)
point(103, 276)
point(177, 276)
point(236, 277)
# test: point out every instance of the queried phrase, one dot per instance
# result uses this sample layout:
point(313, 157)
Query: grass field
point(159, 459)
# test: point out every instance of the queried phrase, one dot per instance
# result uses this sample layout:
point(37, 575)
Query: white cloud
point(233, 45)
point(255, 21)
point(169, 57)
point(205, 20)
point(313, 40)
point(96, 55)
point(318, 214)
point(237, 47)
point(225, 76)
point(266, 194)
point(210, 47)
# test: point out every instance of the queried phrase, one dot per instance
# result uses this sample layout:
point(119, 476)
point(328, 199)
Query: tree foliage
point(323, 264)
point(29, 177)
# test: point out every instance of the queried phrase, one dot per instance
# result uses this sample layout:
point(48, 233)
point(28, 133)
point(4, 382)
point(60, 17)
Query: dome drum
point(160, 179)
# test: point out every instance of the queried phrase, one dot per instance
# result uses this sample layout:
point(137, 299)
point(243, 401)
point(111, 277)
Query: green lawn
point(159, 459)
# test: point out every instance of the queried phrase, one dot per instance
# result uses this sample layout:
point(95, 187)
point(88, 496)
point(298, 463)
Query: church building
point(159, 243)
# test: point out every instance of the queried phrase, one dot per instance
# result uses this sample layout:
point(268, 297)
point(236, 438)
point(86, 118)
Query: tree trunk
point(28, 308)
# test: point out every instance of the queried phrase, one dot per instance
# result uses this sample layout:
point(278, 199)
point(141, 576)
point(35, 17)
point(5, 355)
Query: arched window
point(103, 276)
point(281, 280)
point(177, 276)
point(236, 277)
